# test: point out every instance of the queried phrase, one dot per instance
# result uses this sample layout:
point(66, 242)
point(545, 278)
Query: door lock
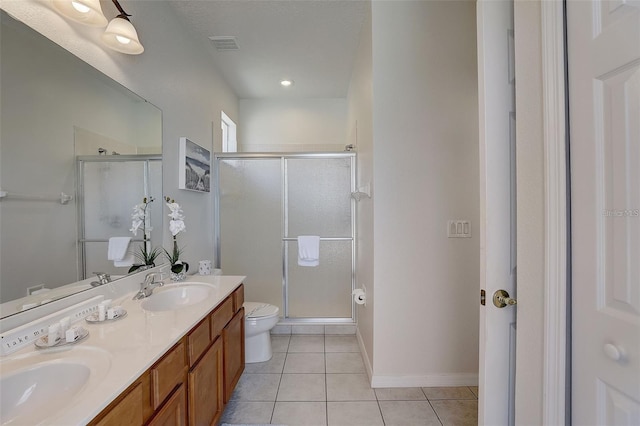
point(501, 299)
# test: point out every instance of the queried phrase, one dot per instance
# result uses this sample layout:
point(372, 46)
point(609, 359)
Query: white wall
point(530, 216)
point(425, 146)
point(173, 74)
point(359, 133)
point(290, 125)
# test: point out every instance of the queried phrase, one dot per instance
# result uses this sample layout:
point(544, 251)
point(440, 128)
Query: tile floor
point(321, 380)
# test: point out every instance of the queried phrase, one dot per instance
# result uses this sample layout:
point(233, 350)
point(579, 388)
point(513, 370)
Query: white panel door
point(496, 90)
point(604, 101)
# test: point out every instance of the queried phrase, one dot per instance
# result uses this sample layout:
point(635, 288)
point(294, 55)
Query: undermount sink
point(176, 297)
point(37, 387)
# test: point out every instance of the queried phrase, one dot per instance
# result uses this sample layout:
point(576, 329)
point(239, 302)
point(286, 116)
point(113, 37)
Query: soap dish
point(118, 313)
point(43, 342)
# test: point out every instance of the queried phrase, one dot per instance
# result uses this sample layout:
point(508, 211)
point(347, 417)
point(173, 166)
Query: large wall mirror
point(77, 152)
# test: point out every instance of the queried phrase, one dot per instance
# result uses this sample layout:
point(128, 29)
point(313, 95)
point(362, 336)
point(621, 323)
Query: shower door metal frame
point(81, 160)
point(285, 224)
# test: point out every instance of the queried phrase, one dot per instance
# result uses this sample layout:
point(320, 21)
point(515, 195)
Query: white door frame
point(555, 200)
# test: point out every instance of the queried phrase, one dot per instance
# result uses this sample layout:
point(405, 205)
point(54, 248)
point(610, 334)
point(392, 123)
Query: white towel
point(308, 250)
point(117, 251)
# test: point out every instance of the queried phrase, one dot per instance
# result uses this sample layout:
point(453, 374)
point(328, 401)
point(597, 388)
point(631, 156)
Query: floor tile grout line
point(326, 384)
point(434, 411)
point(273, 410)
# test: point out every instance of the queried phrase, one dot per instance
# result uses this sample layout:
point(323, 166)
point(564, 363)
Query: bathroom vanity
point(162, 363)
point(193, 380)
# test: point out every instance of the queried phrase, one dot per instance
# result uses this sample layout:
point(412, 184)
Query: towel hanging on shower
point(117, 251)
point(308, 250)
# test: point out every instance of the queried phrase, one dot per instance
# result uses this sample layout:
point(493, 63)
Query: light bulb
point(87, 12)
point(286, 83)
point(80, 7)
point(123, 40)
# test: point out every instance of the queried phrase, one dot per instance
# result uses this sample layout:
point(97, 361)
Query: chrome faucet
point(147, 286)
point(103, 278)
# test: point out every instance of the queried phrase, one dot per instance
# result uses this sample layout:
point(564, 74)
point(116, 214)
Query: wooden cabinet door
point(233, 339)
point(206, 389)
point(126, 412)
point(174, 412)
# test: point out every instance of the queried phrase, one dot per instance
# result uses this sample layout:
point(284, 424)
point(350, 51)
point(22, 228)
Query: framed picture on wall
point(195, 167)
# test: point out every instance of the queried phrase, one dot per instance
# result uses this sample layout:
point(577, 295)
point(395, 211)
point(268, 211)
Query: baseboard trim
point(365, 356)
point(429, 380)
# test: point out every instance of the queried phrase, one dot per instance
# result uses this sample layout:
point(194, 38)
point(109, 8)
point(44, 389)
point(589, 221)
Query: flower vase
point(179, 271)
point(178, 276)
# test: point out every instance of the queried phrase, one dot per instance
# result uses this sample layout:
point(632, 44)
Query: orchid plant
point(139, 219)
point(176, 225)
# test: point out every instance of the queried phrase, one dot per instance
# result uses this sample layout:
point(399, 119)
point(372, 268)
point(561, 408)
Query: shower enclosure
point(108, 188)
point(263, 203)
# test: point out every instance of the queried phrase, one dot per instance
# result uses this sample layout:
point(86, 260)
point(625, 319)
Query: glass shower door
point(250, 225)
point(264, 202)
point(318, 197)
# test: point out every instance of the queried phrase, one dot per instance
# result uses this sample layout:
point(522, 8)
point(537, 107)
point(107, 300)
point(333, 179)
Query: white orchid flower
point(139, 212)
point(176, 211)
point(176, 216)
point(176, 226)
point(135, 225)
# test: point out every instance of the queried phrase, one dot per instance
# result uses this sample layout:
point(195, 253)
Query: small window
point(229, 143)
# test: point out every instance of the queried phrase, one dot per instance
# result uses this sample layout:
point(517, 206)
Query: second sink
point(176, 296)
point(39, 385)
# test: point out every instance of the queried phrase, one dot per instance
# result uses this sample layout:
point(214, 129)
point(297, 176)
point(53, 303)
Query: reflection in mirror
point(104, 209)
point(59, 112)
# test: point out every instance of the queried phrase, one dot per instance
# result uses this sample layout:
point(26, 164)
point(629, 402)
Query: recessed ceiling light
point(286, 83)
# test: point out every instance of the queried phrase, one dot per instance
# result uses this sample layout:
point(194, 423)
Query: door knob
point(613, 352)
point(501, 299)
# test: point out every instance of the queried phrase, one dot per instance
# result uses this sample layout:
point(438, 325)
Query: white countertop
point(122, 350)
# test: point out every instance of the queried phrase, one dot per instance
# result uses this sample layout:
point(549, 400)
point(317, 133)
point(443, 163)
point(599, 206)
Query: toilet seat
point(255, 310)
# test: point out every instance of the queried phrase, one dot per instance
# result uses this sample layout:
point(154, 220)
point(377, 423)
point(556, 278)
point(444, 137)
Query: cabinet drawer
point(174, 412)
point(168, 373)
point(198, 341)
point(221, 317)
point(238, 298)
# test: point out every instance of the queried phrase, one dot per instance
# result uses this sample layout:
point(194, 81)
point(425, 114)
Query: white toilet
point(259, 319)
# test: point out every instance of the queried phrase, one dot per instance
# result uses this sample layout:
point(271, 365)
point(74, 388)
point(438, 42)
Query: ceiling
point(312, 42)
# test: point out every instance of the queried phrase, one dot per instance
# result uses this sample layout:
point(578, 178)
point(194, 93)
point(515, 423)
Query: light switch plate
point(459, 229)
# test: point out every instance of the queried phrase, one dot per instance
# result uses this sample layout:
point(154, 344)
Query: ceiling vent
point(224, 43)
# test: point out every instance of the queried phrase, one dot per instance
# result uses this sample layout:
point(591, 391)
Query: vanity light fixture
point(120, 34)
point(286, 83)
point(86, 12)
